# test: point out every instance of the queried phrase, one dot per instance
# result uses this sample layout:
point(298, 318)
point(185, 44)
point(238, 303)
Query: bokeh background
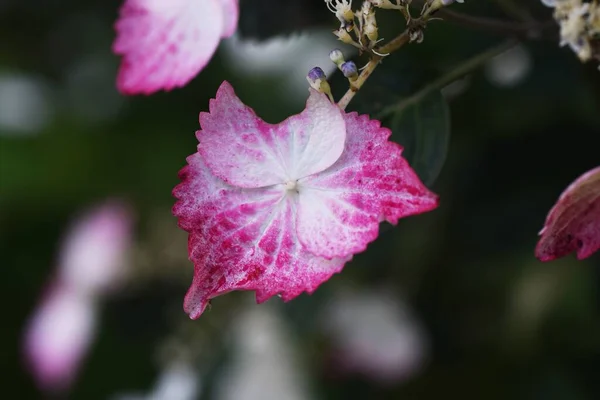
point(447, 304)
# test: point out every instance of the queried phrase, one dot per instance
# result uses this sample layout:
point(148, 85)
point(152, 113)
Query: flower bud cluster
point(359, 28)
point(368, 22)
point(348, 68)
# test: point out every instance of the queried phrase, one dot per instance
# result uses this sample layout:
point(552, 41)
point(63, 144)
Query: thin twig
point(452, 75)
point(390, 47)
point(515, 10)
point(528, 30)
point(527, 27)
point(531, 29)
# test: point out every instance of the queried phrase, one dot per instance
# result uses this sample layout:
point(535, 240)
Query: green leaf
point(423, 129)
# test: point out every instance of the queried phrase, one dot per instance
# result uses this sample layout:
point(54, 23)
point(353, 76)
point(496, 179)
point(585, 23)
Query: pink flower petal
point(243, 239)
point(93, 257)
point(231, 13)
point(58, 336)
point(340, 209)
point(245, 151)
point(573, 224)
point(165, 44)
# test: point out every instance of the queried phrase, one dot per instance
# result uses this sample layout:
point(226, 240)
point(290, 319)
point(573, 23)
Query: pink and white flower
point(166, 43)
point(573, 224)
point(91, 263)
point(279, 209)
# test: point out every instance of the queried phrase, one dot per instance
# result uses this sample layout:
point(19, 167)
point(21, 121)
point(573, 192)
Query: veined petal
point(245, 151)
point(573, 224)
point(339, 210)
point(315, 137)
point(243, 239)
point(165, 44)
point(231, 13)
point(329, 225)
point(237, 145)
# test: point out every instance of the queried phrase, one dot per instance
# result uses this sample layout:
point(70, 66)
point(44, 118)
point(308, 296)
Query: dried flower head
point(343, 12)
point(579, 22)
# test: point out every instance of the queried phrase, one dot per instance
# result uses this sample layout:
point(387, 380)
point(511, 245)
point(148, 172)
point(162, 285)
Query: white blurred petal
point(265, 364)
point(25, 104)
point(292, 56)
point(178, 381)
point(509, 68)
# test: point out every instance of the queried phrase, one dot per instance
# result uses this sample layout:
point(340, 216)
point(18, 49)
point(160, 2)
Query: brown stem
point(516, 10)
point(390, 47)
point(456, 73)
point(528, 30)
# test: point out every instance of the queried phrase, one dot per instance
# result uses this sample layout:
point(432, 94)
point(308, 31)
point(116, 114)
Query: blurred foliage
point(467, 268)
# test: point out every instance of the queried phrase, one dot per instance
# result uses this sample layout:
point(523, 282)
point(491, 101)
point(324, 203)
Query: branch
point(515, 10)
point(390, 47)
point(452, 75)
point(526, 30)
point(527, 27)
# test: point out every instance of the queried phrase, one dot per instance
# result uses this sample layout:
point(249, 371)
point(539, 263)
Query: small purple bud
point(317, 80)
point(316, 74)
point(349, 70)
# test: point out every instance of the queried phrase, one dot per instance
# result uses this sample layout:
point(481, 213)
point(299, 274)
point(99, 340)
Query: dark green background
point(512, 151)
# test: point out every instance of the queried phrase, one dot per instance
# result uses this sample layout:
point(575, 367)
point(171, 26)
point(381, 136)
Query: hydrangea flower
point(165, 43)
point(279, 209)
point(573, 224)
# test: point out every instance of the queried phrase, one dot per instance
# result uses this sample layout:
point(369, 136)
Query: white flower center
point(291, 185)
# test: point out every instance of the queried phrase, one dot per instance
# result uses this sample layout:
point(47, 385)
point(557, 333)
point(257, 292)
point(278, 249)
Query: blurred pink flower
point(58, 336)
point(165, 43)
point(573, 224)
point(93, 255)
point(92, 259)
point(375, 335)
point(279, 209)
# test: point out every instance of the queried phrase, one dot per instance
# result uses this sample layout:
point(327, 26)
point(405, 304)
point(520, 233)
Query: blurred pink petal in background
point(58, 336)
point(166, 43)
point(375, 335)
point(93, 254)
point(92, 259)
